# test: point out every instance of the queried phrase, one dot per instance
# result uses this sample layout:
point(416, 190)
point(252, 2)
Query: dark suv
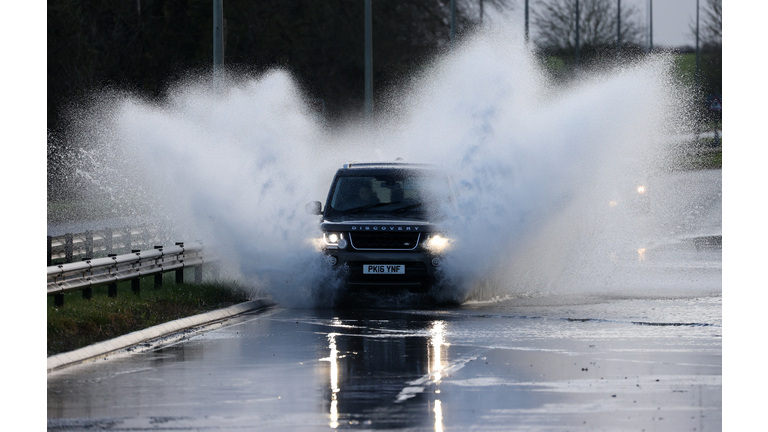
point(380, 224)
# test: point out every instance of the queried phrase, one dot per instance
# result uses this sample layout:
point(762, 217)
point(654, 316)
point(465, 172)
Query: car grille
point(384, 240)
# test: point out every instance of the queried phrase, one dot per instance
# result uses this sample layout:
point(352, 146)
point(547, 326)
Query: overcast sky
point(671, 19)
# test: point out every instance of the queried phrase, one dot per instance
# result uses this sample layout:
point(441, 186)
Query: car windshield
point(409, 195)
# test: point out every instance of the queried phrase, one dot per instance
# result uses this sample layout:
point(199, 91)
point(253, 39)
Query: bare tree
point(554, 23)
point(711, 24)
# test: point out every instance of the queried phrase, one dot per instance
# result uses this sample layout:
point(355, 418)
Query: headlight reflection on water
point(333, 359)
point(436, 365)
point(438, 416)
point(436, 342)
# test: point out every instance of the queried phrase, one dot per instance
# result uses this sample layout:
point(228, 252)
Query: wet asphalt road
point(634, 361)
point(584, 365)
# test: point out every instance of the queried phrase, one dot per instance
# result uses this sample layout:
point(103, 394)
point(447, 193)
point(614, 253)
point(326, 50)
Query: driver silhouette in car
point(365, 196)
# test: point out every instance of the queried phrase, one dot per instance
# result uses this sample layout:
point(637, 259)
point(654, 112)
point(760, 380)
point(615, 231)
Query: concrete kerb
point(101, 349)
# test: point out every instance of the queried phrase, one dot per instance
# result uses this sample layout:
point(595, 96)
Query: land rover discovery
point(380, 224)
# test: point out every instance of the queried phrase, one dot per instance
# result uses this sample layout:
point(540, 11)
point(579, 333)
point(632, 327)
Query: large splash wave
point(234, 165)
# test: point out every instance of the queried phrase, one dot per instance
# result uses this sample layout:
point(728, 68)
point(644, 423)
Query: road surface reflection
point(416, 370)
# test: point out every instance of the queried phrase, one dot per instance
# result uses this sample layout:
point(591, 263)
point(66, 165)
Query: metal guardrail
point(88, 243)
point(84, 275)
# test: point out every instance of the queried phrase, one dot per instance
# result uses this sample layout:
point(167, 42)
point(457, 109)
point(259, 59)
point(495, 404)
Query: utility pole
point(218, 39)
point(453, 20)
point(697, 99)
point(368, 62)
point(618, 29)
point(650, 25)
point(526, 22)
point(697, 93)
point(577, 33)
point(696, 77)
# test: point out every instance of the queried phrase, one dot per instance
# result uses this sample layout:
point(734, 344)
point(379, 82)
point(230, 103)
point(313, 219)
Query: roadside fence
point(87, 274)
point(101, 242)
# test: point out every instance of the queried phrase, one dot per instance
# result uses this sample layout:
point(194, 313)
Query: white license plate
point(383, 269)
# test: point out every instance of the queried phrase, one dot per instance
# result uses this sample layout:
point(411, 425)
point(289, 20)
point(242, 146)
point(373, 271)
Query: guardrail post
point(112, 288)
point(89, 243)
point(87, 292)
point(58, 299)
point(69, 247)
point(180, 272)
point(108, 240)
point(50, 251)
point(159, 276)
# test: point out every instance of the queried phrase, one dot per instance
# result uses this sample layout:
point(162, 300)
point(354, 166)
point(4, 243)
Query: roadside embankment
point(82, 322)
point(155, 333)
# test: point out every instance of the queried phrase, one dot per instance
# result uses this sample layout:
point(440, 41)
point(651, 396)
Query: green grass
point(709, 160)
point(685, 68)
point(81, 322)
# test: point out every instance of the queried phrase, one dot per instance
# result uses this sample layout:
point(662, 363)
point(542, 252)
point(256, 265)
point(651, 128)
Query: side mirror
point(314, 208)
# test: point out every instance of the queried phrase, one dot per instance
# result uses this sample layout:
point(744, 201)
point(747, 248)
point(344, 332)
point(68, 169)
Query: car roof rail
point(376, 164)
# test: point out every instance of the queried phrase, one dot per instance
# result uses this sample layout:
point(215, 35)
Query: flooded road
point(642, 352)
point(585, 364)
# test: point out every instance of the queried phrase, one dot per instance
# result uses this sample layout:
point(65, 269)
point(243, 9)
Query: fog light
point(332, 260)
point(436, 262)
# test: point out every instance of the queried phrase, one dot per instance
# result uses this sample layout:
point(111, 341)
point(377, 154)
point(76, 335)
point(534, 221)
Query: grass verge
point(81, 322)
point(707, 160)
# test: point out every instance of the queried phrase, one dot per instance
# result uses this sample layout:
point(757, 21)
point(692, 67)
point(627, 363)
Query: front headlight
point(437, 243)
point(335, 240)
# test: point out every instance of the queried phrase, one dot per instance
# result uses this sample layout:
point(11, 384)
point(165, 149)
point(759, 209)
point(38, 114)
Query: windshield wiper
point(366, 207)
point(408, 207)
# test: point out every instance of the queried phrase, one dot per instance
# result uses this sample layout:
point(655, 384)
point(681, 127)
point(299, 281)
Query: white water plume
point(235, 166)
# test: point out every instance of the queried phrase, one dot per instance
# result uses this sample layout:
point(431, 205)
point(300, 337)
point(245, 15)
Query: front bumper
point(420, 271)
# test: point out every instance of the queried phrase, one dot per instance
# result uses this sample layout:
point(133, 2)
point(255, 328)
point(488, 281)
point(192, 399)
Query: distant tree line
point(556, 30)
point(554, 26)
point(144, 45)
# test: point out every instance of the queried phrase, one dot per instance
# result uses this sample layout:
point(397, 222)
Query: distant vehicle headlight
point(437, 243)
point(641, 189)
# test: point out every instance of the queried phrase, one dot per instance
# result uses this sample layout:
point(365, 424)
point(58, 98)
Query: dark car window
point(389, 194)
